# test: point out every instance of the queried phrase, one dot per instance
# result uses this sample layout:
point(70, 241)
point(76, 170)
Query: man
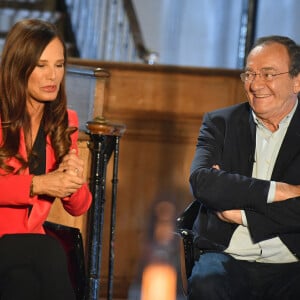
point(246, 176)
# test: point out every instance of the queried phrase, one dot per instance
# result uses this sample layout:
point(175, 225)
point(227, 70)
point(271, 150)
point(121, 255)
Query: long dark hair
point(24, 45)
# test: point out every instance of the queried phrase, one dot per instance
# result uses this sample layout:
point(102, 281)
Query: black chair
point(184, 225)
point(71, 240)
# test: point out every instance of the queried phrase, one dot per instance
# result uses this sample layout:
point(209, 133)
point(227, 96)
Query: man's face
point(271, 100)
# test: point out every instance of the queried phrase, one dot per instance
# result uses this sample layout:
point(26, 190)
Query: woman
point(38, 162)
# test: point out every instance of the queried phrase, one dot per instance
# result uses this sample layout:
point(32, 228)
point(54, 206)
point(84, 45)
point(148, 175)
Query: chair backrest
point(71, 240)
point(188, 216)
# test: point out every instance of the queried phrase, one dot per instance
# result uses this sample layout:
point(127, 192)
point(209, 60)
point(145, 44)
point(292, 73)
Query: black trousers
point(217, 276)
point(33, 266)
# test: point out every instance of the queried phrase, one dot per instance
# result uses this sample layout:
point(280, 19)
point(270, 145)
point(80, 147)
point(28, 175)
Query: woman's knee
point(20, 283)
point(50, 253)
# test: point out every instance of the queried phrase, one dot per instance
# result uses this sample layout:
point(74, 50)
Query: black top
point(37, 157)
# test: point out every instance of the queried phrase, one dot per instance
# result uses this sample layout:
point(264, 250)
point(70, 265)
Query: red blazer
point(15, 190)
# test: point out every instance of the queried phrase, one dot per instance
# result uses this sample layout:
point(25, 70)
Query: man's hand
point(285, 191)
point(231, 216)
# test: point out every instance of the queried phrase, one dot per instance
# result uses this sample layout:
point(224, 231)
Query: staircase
point(48, 10)
point(106, 30)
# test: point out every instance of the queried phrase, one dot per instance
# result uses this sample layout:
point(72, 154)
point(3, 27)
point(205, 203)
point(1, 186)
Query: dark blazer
point(227, 138)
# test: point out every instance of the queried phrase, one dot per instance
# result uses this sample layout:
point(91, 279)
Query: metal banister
point(148, 56)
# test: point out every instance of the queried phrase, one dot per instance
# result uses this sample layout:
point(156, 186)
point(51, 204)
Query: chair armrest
point(188, 248)
point(71, 240)
point(184, 225)
point(185, 257)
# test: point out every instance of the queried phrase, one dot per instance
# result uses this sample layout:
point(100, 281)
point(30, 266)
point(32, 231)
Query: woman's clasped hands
point(62, 182)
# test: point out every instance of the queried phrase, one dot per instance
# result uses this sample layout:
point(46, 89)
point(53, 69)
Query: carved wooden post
point(105, 138)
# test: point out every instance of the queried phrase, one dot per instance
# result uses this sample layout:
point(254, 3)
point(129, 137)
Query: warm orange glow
point(159, 282)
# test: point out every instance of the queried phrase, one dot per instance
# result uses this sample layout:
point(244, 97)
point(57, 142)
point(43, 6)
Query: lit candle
point(159, 282)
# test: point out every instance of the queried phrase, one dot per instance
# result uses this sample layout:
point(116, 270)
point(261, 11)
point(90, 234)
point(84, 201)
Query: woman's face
point(45, 79)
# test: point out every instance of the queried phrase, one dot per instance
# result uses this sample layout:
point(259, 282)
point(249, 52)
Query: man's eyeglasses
point(265, 75)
